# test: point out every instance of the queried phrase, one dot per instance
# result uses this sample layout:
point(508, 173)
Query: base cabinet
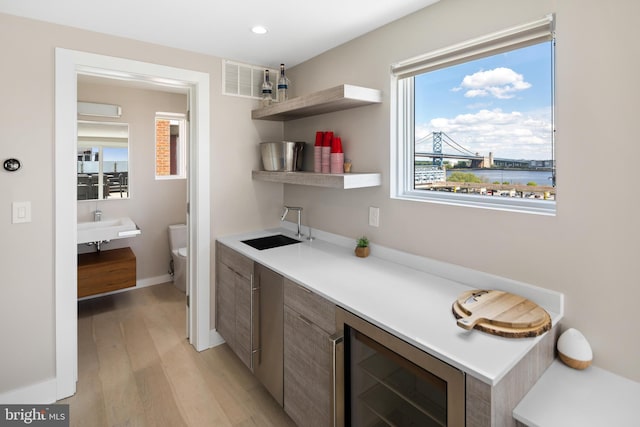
point(309, 345)
point(300, 368)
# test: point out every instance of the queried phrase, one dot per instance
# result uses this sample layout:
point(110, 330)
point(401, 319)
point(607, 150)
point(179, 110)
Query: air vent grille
point(244, 80)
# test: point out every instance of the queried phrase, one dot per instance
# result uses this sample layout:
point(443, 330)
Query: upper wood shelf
point(337, 98)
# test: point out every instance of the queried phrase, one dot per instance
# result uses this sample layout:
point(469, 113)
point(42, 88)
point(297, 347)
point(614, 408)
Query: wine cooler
point(388, 382)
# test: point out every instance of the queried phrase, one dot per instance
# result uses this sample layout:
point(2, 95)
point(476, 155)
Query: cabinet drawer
point(237, 262)
point(308, 371)
point(312, 306)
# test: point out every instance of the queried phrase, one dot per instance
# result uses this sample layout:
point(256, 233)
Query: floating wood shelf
point(342, 180)
point(337, 98)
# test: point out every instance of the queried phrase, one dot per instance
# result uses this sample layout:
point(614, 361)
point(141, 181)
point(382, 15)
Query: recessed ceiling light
point(259, 29)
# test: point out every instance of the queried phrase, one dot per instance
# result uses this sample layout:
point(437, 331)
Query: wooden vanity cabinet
point(309, 334)
point(106, 271)
point(234, 279)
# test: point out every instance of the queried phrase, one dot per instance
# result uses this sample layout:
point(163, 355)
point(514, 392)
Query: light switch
point(21, 212)
point(374, 216)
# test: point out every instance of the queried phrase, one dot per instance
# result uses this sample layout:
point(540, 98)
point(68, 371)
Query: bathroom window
point(473, 123)
point(171, 146)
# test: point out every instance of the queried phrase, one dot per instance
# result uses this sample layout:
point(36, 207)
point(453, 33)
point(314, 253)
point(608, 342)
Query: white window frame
point(402, 115)
point(182, 145)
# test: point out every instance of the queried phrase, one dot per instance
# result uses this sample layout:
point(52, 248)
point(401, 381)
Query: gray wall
point(589, 250)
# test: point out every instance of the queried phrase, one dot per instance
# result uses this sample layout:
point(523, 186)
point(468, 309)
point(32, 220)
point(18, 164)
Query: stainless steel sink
point(269, 242)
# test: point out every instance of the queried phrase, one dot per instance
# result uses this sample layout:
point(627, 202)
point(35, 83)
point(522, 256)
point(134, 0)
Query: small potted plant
point(362, 247)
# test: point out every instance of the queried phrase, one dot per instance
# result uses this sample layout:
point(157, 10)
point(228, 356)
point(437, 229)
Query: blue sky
point(115, 154)
point(500, 104)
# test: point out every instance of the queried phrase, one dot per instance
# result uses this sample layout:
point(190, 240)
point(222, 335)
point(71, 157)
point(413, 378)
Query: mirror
point(103, 160)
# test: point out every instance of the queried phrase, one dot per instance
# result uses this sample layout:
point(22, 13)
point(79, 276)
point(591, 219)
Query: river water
point(542, 178)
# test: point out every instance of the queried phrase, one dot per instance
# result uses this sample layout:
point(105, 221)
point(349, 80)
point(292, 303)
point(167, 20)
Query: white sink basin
point(110, 229)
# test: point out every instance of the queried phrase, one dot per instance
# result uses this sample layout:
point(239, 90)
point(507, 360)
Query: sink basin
point(269, 242)
point(97, 231)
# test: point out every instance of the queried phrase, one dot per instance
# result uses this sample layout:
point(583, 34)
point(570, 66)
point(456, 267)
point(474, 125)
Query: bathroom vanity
point(106, 271)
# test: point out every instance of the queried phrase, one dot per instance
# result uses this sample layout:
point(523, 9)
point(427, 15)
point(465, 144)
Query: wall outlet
point(374, 216)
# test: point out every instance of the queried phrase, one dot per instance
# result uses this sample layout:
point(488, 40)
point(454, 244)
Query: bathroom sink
point(110, 229)
point(269, 242)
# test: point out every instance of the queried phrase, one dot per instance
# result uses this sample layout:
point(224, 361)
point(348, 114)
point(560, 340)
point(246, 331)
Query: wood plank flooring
point(136, 368)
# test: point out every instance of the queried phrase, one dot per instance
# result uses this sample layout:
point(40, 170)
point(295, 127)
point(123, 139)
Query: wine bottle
point(283, 85)
point(267, 90)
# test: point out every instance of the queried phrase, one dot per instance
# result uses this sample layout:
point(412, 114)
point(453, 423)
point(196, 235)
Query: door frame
point(68, 64)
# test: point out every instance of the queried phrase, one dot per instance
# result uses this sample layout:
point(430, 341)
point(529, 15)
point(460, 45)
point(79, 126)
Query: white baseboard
point(41, 393)
point(215, 339)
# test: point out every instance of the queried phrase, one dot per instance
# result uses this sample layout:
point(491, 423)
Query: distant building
point(523, 163)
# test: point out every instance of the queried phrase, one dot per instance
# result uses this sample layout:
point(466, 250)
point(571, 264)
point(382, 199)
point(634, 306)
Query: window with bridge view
point(475, 122)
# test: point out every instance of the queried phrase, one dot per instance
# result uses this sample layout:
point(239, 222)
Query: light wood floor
point(136, 368)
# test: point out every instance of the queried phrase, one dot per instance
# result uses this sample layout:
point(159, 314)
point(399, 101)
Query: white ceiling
point(298, 29)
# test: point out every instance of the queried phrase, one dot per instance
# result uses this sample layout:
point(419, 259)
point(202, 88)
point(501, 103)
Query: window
point(171, 146)
point(474, 123)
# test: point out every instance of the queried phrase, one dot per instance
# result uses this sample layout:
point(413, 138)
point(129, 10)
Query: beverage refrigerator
point(382, 380)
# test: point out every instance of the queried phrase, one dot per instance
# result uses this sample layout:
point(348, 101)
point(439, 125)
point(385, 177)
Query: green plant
point(532, 184)
point(362, 242)
point(464, 177)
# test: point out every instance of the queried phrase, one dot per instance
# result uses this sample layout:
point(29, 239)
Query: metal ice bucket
point(282, 156)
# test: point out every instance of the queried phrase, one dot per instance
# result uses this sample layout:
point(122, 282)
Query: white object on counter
point(574, 349)
point(567, 397)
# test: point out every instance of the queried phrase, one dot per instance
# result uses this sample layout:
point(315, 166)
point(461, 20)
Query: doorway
point(196, 84)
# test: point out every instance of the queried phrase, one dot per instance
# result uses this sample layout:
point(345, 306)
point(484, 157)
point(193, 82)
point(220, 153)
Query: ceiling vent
point(245, 80)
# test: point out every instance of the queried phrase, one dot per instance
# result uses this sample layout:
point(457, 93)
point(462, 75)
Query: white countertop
point(411, 304)
point(592, 397)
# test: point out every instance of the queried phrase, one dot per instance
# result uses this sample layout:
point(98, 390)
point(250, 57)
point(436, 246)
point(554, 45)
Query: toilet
point(178, 246)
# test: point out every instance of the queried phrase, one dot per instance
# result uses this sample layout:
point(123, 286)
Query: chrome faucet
point(293, 208)
point(97, 215)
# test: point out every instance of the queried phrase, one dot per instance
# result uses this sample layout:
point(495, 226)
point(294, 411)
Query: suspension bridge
point(438, 140)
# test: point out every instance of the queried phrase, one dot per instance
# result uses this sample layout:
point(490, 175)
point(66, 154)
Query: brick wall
point(163, 154)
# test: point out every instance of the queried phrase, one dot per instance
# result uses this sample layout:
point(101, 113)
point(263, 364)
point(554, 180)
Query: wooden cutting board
point(500, 313)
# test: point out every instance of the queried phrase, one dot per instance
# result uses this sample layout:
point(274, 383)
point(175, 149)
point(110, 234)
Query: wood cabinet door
point(308, 371)
point(234, 281)
point(225, 304)
point(243, 319)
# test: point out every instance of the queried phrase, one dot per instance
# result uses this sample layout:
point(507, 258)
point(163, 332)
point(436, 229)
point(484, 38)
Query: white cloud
point(501, 83)
point(512, 135)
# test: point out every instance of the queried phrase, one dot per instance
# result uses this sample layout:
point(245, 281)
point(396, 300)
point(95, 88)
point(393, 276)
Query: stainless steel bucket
point(282, 156)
